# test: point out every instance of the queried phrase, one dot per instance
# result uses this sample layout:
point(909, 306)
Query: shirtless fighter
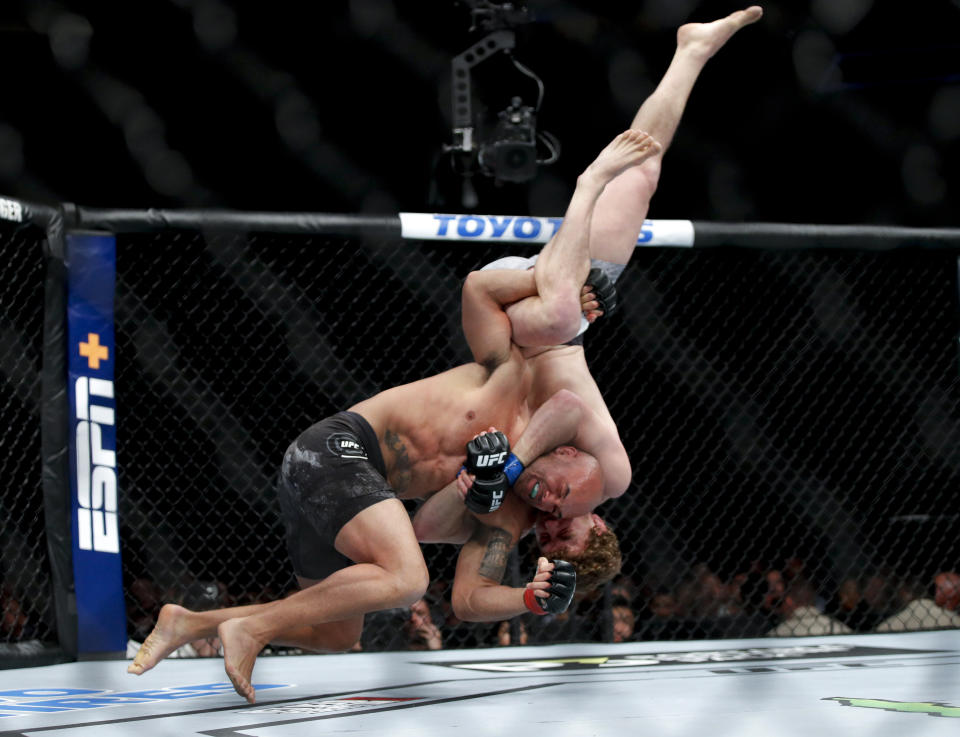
point(349, 535)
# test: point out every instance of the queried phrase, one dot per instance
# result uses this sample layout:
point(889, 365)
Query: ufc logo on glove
point(496, 459)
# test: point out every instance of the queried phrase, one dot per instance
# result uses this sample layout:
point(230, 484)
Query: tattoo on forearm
point(400, 473)
point(494, 563)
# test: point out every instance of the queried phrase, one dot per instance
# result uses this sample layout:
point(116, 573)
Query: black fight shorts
point(330, 473)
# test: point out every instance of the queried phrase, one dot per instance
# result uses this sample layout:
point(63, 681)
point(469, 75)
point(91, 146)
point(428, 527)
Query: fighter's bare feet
point(171, 631)
point(240, 650)
point(708, 38)
point(630, 148)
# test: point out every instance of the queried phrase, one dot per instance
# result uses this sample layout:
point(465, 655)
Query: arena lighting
point(510, 152)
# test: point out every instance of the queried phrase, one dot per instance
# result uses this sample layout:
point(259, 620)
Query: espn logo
point(492, 459)
point(96, 469)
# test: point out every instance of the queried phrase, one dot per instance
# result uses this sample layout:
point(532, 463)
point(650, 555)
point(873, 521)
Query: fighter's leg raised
point(623, 205)
point(552, 316)
point(389, 571)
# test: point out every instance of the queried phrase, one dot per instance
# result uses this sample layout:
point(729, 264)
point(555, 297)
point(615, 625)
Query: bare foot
point(171, 631)
point(240, 650)
point(630, 148)
point(708, 38)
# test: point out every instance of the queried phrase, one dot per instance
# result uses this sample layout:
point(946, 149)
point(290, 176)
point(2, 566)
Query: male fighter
point(349, 535)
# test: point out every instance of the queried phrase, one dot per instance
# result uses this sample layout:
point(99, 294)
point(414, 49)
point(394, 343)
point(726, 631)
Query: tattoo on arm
point(497, 543)
point(400, 473)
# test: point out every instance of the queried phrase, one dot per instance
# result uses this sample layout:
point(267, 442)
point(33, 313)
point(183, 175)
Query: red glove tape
point(532, 602)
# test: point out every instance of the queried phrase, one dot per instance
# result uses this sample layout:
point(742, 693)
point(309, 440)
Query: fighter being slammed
point(342, 481)
point(565, 525)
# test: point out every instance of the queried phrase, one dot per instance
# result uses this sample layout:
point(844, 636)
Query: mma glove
point(563, 583)
point(603, 288)
point(486, 457)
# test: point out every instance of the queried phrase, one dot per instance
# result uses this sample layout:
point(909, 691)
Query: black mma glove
point(486, 457)
point(603, 287)
point(563, 583)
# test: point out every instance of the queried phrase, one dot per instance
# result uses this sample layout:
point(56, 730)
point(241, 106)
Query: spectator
point(750, 605)
point(505, 633)
point(623, 587)
point(401, 628)
point(15, 625)
point(438, 597)
point(800, 615)
point(713, 596)
point(924, 613)
point(704, 595)
point(663, 604)
point(879, 596)
point(760, 595)
point(947, 590)
point(197, 595)
point(663, 618)
point(421, 631)
point(623, 620)
point(848, 605)
point(776, 590)
point(794, 567)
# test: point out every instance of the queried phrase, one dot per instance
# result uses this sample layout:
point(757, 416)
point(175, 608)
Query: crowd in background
point(781, 601)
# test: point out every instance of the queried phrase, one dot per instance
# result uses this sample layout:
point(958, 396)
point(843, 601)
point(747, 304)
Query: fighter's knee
point(408, 585)
point(557, 321)
point(414, 585)
point(644, 179)
point(563, 320)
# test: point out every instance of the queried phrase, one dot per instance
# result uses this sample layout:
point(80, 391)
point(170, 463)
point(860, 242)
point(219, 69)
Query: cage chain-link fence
point(792, 419)
point(26, 604)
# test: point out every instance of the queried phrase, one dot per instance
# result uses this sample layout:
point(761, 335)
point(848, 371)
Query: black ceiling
point(825, 111)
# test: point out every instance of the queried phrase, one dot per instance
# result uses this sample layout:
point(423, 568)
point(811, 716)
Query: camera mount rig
point(511, 154)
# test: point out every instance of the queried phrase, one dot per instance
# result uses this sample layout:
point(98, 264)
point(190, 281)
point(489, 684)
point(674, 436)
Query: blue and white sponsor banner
point(98, 576)
point(522, 229)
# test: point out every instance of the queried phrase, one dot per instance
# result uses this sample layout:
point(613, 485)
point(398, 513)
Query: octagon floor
point(874, 685)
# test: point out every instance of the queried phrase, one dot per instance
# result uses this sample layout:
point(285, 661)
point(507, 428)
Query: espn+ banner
point(98, 576)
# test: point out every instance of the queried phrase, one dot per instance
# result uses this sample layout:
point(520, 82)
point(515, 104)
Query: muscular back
point(423, 426)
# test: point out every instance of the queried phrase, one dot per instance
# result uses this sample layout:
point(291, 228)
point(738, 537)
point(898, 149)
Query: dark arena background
point(786, 388)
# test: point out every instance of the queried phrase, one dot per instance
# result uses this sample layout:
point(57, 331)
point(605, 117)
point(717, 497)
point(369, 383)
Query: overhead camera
point(511, 154)
point(510, 150)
